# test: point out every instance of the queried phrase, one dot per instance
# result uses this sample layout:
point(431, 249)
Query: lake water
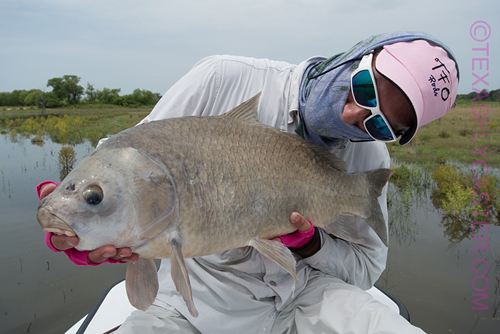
point(438, 280)
point(40, 291)
point(43, 292)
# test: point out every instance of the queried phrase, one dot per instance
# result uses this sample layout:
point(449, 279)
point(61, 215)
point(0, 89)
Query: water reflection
point(464, 199)
point(31, 130)
point(409, 189)
point(62, 129)
point(67, 160)
point(38, 140)
point(460, 198)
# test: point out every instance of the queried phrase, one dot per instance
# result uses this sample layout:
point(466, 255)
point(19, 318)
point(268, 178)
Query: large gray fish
point(195, 186)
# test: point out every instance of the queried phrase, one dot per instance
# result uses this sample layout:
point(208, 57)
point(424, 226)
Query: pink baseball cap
point(426, 74)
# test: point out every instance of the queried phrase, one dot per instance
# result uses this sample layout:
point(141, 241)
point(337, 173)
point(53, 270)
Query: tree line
point(481, 96)
point(68, 91)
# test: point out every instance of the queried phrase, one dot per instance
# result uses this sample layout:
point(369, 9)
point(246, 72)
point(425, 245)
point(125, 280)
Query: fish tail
point(377, 179)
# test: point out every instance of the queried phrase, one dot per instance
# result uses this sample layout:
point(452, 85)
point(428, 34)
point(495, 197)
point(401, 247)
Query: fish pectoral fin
point(180, 275)
point(345, 228)
point(141, 283)
point(276, 252)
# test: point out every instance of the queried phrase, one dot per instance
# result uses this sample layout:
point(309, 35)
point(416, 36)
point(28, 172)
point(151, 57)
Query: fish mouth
point(51, 223)
point(58, 231)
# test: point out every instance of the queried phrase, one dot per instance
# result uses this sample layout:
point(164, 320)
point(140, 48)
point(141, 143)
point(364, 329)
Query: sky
point(150, 44)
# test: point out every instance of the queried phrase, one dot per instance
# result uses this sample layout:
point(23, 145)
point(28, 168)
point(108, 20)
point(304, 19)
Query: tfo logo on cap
point(443, 80)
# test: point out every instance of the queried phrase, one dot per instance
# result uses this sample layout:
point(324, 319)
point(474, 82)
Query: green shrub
point(444, 134)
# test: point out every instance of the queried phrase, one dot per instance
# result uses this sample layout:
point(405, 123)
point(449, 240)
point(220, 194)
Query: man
point(383, 89)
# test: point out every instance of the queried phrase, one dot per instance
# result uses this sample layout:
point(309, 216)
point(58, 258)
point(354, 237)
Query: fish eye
point(93, 195)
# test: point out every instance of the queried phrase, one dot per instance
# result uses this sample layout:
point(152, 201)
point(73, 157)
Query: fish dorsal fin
point(180, 274)
point(247, 110)
point(276, 252)
point(141, 283)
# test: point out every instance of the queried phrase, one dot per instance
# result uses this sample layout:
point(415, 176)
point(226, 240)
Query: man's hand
point(63, 242)
point(304, 242)
point(300, 223)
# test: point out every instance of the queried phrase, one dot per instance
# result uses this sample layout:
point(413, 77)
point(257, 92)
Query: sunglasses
point(365, 95)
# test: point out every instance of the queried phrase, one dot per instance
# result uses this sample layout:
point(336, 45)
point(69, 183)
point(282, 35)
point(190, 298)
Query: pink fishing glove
point(298, 238)
point(77, 257)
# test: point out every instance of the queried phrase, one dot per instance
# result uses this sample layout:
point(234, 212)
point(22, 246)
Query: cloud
point(149, 44)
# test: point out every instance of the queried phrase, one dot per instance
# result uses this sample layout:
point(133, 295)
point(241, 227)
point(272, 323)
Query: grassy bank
point(70, 125)
point(451, 138)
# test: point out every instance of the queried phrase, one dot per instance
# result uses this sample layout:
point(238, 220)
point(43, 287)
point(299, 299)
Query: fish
point(194, 186)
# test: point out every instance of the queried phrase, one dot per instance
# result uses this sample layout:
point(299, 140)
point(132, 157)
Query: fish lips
point(52, 223)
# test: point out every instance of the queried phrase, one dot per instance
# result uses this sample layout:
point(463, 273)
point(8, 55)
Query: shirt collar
point(298, 72)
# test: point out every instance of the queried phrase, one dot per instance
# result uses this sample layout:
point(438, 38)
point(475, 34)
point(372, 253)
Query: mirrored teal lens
point(363, 89)
point(378, 128)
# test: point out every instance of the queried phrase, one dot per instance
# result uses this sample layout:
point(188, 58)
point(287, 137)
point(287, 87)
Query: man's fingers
point(101, 254)
point(132, 258)
point(63, 242)
point(122, 253)
point(277, 239)
point(125, 255)
point(300, 222)
point(109, 252)
point(47, 189)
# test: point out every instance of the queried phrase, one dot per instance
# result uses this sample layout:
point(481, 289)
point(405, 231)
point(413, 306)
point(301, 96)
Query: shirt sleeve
point(193, 95)
point(217, 84)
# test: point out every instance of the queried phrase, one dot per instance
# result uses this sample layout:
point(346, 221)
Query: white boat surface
point(113, 307)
